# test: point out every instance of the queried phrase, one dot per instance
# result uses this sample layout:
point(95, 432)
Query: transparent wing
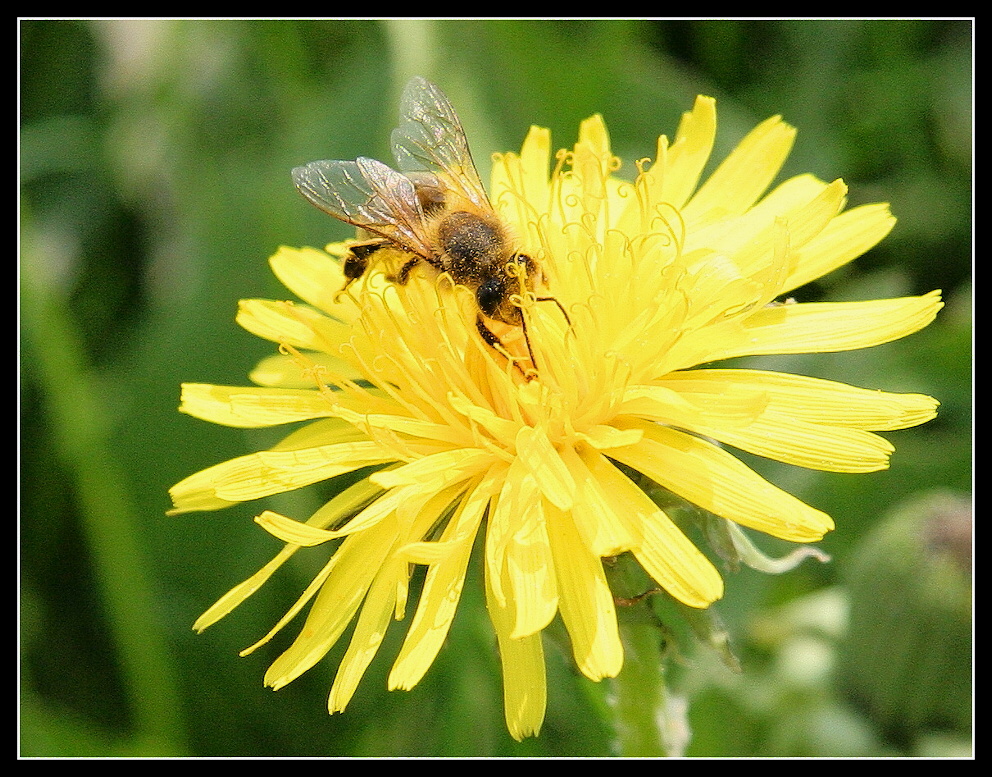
point(430, 138)
point(367, 194)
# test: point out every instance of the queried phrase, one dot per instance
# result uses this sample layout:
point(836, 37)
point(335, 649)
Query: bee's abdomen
point(471, 244)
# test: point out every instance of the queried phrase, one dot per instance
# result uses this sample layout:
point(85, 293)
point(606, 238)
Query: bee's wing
point(367, 194)
point(430, 137)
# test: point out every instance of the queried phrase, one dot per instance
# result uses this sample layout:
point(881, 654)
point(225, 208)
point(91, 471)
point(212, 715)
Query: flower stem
point(80, 425)
point(640, 697)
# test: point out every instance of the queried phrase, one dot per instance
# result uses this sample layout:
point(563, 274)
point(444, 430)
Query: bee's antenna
point(560, 307)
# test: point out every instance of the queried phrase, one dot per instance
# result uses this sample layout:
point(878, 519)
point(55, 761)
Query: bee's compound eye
point(490, 295)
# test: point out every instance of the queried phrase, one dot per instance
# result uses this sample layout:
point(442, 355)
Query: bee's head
point(495, 293)
point(493, 296)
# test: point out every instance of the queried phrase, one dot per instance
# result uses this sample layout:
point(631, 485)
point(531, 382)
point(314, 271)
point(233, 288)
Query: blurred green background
point(154, 172)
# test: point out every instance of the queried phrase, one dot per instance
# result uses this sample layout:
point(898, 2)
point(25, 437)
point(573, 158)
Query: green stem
point(413, 48)
point(639, 693)
point(80, 422)
point(648, 719)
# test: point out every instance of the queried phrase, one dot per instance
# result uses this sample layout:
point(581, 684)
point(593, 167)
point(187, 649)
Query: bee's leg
point(404, 274)
point(491, 340)
point(357, 261)
point(355, 265)
point(531, 373)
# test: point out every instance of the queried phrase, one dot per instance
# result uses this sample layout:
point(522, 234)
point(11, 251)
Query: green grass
point(155, 159)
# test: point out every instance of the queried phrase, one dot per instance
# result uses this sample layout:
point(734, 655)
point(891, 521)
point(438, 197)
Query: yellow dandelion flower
point(528, 435)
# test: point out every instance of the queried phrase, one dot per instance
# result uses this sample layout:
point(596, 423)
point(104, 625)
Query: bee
point(433, 209)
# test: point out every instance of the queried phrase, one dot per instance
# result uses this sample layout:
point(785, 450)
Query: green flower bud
point(907, 658)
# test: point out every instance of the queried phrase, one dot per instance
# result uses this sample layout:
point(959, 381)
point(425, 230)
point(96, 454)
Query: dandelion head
point(539, 429)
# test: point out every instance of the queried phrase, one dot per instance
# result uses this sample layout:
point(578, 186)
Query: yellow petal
point(242, 591)
point(801, 421)
point(805, 203)
point(679, 405)
point(435, 471)
point(585, 600)
point(515, 501)
point(293, 532)
point(371, 423)
point(713, 479)
point(530, 573)
point(355, 565)
point(535, 450)
point(285, 371)
point(196, 500)
point(295, 325)
point(308, 593)
point(744, 175)
point(442, 589)
point(520, 186)
point(688, 153)
point(272, 472)
point(603, 531)
point(252, 407)
point(326, 431)
point(603, 437)
point(315, 278)
point(802, 444)
point(821, 327)
point(497, 426)
point(524, 679)
point(812, 399)
point(386, 595)
point(377, 610)
point(845, 238)
point(344, 504)
point(662, 549)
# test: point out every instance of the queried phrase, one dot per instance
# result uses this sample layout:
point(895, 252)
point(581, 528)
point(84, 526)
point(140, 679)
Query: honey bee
point(434, 210)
